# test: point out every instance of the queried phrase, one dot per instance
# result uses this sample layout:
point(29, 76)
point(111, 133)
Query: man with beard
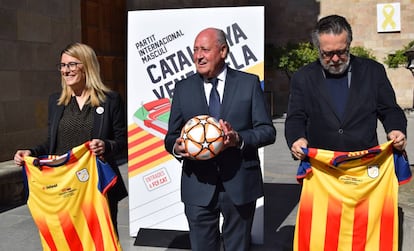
point(350, 192)
point(335, 102)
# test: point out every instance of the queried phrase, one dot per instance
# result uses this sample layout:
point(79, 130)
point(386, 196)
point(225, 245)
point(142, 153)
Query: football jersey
point(67, 200)
point(349, 200)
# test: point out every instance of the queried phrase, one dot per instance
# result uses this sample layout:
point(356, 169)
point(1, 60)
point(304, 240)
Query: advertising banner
point(160, 48)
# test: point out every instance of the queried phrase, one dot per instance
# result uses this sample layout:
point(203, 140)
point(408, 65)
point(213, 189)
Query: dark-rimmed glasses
point(71, 65)
point(330, 54)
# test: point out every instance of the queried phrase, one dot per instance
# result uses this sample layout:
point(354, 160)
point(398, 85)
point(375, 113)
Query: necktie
point(214, 103)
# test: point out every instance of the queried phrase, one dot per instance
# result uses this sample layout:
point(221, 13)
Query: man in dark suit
point(231, 182)
point(336, 101)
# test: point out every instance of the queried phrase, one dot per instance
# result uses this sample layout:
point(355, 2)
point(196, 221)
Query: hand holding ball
point(202, 137)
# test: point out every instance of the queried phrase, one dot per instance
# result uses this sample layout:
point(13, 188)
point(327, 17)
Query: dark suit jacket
point(110, 126)
point(244, 107)
point(371, 97)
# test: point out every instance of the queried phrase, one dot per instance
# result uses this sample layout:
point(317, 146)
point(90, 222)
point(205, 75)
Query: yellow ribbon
point(388, 12)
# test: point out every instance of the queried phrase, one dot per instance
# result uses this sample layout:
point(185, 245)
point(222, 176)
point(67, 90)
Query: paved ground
point(18, 233)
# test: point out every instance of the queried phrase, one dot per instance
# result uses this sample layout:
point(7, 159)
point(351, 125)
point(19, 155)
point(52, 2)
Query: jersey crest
point(83, 175)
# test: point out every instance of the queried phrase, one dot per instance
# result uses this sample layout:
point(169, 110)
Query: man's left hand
point(398, 138)
point(231, 137)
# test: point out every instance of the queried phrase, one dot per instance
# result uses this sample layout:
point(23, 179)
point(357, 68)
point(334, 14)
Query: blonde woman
point(85, 110)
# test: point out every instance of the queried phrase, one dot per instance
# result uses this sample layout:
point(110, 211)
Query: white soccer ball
point(203, 137)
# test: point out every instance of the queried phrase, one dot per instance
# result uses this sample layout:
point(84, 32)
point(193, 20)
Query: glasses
point(71, 65)
point(330, 54)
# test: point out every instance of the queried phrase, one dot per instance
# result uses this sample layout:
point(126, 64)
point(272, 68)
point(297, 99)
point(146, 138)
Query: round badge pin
point(100, 110)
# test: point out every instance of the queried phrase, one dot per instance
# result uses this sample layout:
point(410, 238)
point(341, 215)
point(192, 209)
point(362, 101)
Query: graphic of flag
point(145, 151)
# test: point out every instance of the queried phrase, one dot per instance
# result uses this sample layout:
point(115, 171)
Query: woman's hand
point(97, 146)
point(19, 156)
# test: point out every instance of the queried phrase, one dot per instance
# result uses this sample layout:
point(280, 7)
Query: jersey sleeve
point(304, 167)
point(107, 177)
point(402, 167)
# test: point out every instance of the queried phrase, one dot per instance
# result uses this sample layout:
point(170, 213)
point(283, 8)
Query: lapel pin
point(100, 110)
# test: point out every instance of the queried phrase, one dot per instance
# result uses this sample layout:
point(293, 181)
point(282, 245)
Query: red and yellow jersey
point(349, 199)
point(67, 200)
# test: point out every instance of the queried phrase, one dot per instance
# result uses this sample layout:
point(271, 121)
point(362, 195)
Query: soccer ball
point(203, 137)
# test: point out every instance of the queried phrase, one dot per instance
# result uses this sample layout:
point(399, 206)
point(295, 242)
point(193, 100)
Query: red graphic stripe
point(145, 149)
point(47, 169)
point(140, 140)
point(93, 226)
point(134, 131)
point(110, 185)
point(312, 152)
point(72, 237)
point(333, 223)
point(27, 170)
point(44, 230)
point(156, 104)
point(387, 225)
point(336, 154)
point(114, 238)
point(161, 110)
point(72, 158)
point(305, 221)
point(147, 161)
point(151, 124)
point(360, 229)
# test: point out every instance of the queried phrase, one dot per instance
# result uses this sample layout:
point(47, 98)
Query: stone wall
point(292, 21)
point(32, 34)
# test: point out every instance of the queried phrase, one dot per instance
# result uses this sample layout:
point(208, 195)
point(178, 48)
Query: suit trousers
point(204, 224)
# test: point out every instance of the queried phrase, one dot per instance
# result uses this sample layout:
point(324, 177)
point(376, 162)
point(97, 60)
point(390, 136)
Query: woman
point(85, 110)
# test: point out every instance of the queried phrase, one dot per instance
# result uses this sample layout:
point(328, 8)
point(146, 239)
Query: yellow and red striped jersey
point(67, 200)
point(349, 199)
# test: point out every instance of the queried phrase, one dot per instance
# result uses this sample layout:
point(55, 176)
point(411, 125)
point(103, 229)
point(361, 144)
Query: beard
point(336, 68)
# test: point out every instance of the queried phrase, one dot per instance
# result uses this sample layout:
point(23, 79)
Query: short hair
point(221, 39)
point(90, 63)
point(333, 24)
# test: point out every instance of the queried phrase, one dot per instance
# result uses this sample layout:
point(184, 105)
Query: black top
point(75, 126)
